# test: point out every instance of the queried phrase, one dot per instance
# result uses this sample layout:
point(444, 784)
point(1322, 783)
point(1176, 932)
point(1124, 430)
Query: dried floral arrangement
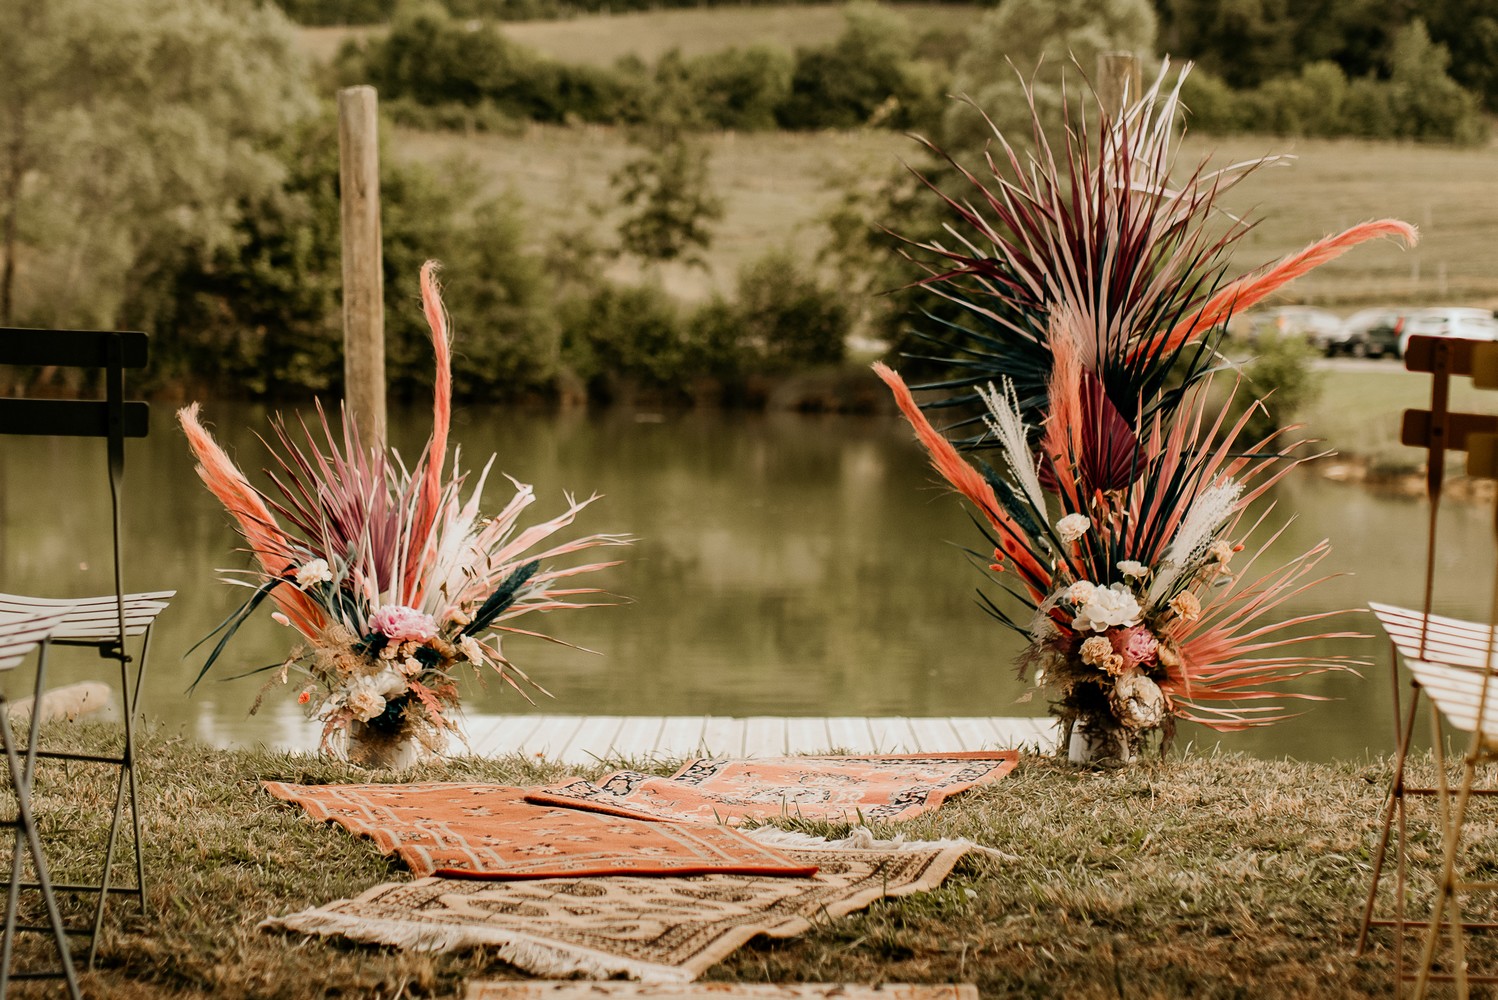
point(394, 580)
point(1095, 294)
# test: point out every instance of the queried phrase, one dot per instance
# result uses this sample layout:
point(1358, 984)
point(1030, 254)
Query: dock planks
point(589, 739)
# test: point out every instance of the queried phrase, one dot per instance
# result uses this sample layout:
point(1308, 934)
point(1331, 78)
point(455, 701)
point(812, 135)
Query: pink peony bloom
point(400, 623)
point(1137, 646)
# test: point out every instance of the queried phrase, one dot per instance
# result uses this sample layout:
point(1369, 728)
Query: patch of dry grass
point(1208, 876)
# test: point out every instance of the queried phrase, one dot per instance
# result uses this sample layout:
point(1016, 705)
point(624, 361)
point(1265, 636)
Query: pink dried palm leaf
point(272, 548)
point(969, 483)
point(1251, 288)
point(433, 458)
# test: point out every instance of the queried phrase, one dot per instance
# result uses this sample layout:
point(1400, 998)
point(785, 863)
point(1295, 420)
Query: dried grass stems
point(1202, 876)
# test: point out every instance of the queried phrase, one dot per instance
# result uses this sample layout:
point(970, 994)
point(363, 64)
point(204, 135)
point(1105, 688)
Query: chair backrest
point(113, 418)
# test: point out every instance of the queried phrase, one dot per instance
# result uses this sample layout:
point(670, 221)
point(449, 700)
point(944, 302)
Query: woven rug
point(658, 929)
point(491, 832)
point(574, 989)
point(837, 789)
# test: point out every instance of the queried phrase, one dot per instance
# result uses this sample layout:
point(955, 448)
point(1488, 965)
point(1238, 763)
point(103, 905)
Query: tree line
point(444, 71)
point(1245, 43)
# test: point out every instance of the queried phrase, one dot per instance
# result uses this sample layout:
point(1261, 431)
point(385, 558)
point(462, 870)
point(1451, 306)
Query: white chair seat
point(92, 619)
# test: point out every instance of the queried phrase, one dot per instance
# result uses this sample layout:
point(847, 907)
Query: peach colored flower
point(1186, 606)
point(1095, 649)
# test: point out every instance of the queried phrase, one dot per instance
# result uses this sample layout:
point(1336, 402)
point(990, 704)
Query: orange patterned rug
point(657, 929)
point(491, 832)
point(837, 789)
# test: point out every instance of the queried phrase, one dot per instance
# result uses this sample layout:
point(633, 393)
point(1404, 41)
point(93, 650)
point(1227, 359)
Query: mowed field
point(778, 187)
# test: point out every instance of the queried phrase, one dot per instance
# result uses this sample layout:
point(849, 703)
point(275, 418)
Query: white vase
point(374, 748)
point(1088, 743)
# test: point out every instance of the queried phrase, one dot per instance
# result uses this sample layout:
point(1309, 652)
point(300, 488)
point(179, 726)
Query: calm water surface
point(785, 565)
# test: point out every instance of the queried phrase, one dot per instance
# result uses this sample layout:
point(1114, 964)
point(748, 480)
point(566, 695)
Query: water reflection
point(786, 565)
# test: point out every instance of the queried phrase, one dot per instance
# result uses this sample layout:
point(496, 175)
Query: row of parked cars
point(1371, 333)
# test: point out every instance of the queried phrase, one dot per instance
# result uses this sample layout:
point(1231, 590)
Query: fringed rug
point(837, 789)
point(658, 929)
point(519, 989)
point(491, 832)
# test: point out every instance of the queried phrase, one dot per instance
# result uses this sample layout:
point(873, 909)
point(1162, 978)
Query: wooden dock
point(588, 739)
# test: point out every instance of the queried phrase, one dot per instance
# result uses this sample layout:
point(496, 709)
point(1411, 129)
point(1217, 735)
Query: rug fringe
point(541, 958)
point(861, 838)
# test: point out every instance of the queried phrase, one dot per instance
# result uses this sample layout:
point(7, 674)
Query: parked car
point(1316, 325)
point(1369, 333)
point(1466, 324)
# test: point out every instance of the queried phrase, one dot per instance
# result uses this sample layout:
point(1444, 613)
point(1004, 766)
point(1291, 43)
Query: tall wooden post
point(363, 265)
point(1119, 80)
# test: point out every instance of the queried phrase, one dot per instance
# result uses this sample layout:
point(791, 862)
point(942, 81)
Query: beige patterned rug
point(571, 989)
point(864, 789)
point(666, 929)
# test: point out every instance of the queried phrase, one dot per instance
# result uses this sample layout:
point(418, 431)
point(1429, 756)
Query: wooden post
point(1119, 81)
point(363, 264)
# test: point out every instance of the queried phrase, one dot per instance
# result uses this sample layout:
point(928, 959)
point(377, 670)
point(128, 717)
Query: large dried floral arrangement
point(1095, 293)
point(395, 581)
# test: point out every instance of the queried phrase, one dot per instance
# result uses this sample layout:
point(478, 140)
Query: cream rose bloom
point(1080, 592)
point(1110, 607)
point(1133, 569)
point(1072, 527)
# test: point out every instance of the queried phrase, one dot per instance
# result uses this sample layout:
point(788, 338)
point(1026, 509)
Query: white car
point(1465, 324)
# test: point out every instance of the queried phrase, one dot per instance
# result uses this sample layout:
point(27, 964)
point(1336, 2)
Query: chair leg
point(130, 698)
point(20, 776)
point(1395, 805)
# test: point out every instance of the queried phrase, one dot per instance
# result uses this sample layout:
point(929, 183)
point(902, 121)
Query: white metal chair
point(105, 623)
point(20, 635)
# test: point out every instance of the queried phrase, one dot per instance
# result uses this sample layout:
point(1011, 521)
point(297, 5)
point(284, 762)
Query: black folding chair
point(19, 636)
point(103, 623)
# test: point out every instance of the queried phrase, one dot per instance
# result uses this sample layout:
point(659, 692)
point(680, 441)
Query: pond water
point(784, 565)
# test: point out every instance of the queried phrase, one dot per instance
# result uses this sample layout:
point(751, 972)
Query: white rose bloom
point(1133, 570)
point(1110, 607)
point(1072, 527)
point(313, 571)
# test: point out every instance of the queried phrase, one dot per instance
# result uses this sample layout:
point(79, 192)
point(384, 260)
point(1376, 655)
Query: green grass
point(1203, 876)
point(778, 186)
point(1359, 409)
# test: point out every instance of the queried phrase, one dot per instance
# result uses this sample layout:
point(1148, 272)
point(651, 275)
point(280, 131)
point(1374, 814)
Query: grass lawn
point(1359, 409)
point(1203, 876)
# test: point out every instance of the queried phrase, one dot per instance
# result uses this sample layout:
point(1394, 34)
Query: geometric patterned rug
point(490, 832)
point(523, 989)
point(836, 789)
point(668, 929)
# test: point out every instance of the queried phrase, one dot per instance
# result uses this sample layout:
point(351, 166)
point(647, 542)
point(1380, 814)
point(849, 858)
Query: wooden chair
point(20, 635)
point(1453, 663)
point(103, 623)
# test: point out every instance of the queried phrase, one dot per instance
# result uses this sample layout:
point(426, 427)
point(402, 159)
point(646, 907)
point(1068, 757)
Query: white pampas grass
point(1206, 515)
point(1006, 425)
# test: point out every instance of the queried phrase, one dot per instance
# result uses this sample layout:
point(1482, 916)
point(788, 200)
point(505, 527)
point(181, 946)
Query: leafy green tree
point(669, 203)
point(128, 130)
point(1429, 104)
point(868, 76)
point(1036, 41)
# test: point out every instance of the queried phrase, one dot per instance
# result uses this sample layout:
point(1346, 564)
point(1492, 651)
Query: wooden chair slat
point(71, 417)
point(70, 348)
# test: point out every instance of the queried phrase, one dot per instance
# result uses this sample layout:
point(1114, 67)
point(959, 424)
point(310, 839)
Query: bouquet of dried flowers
point(1095, 297)
point(395, 581)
